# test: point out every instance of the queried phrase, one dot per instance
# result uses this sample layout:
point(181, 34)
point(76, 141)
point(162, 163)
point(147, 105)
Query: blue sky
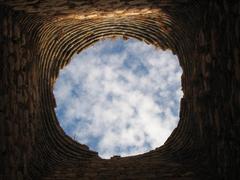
point(119, 97)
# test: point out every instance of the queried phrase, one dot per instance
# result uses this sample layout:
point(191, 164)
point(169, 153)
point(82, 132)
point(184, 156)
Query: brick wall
point(38, 39)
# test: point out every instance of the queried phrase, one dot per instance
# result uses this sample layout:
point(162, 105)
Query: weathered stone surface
point(38, 38)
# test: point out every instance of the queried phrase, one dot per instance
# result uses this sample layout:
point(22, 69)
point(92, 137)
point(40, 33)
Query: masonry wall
point(39, 38)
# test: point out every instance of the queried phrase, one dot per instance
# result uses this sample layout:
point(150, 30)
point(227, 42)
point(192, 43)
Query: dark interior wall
point(19, 99)
point(217, 86)
point(39, 38)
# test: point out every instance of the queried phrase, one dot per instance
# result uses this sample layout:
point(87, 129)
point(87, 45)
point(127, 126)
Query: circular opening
point(120, 97)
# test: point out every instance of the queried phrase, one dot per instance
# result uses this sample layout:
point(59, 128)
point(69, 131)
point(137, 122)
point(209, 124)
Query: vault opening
point(119, 97)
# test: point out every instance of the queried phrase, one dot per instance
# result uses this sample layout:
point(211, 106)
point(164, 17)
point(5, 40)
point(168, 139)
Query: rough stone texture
point(38, 38)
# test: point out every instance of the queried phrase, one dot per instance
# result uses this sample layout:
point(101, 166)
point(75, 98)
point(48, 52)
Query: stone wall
point(39, 38)
point(19, 99)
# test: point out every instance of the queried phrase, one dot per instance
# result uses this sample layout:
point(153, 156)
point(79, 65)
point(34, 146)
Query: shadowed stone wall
point(38, 38)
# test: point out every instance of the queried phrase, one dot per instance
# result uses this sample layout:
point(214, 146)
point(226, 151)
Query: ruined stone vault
point(38, 38)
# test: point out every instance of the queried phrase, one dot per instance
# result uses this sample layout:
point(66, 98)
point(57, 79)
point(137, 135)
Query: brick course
point(38, 38)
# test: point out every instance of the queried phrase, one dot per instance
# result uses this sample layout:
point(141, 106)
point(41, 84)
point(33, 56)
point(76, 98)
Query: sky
point(119, 97)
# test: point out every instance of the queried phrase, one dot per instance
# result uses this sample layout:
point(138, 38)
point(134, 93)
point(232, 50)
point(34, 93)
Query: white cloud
point(121, 98)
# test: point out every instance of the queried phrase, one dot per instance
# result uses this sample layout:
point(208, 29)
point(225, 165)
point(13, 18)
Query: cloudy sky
point(119, 97)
